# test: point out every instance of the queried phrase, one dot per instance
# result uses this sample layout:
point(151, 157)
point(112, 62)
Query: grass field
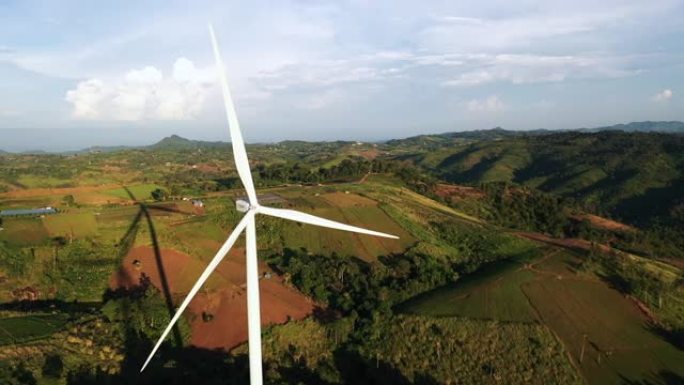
point(77, 224)
point(16, 330)
point(140, 192)
point(117, 214)
point(493, 293)
point(24, 231)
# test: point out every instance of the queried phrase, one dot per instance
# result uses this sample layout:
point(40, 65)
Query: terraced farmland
point(619, 345)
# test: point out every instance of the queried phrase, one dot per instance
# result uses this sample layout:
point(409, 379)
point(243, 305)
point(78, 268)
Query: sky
point(80, 73)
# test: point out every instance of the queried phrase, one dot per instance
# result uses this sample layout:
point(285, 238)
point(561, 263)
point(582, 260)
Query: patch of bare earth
point(218, 314)
point(604, 223)
point(369, 154)
point(207, 168)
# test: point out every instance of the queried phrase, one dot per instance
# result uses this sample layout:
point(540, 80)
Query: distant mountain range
point(170, 143)
point(175, 142)
point(673, 127)
point(438, 140)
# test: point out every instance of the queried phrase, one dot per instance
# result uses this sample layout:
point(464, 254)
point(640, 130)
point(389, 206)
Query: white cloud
point(87, 98)
point(325, 73)
point(147, 75)
point(490, 104)
point(510, 27)
point(143, 94)
point(527, 68)
point(663, 95)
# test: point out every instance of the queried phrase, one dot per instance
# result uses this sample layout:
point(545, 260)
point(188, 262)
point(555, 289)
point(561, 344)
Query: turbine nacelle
point(242, 206)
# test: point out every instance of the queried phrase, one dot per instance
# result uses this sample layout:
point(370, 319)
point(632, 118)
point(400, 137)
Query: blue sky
point(80, 73)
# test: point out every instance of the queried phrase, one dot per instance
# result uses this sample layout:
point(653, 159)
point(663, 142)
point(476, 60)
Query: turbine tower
point(251, 208)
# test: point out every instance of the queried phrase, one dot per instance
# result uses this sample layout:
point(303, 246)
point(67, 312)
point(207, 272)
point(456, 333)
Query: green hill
point(175, 142)
point(620, 173)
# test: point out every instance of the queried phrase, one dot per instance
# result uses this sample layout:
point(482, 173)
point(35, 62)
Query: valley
point(505, 271)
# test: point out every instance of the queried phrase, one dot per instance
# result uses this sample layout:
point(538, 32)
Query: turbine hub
point(242, 206)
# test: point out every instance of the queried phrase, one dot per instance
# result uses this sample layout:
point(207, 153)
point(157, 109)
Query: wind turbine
point(251, 208)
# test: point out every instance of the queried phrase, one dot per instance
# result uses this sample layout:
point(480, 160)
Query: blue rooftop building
point(27, 212)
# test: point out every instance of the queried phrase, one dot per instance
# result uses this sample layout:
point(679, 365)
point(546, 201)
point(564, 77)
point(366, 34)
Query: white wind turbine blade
point(239, 151)
point(317, 221)
point(205, 275)
point(253, 306)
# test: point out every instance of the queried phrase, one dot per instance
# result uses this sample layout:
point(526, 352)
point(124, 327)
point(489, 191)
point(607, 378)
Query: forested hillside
point(636, 177)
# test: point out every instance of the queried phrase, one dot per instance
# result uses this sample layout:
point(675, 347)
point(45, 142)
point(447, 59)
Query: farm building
point(27, 212)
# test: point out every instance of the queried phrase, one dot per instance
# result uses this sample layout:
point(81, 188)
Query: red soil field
point(458, 192)
point(224, 295)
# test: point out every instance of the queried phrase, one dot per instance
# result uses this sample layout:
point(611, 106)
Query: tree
point(69, 200)
point(159, 194)
point(142, 310)
point(19, 374)
point(53, 366)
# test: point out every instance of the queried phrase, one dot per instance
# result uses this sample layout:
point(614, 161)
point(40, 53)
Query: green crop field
point(77, 224)
point(42, 181)
point(14, 330)
point(321, 240)
point(24, 231)
point(615, 331)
